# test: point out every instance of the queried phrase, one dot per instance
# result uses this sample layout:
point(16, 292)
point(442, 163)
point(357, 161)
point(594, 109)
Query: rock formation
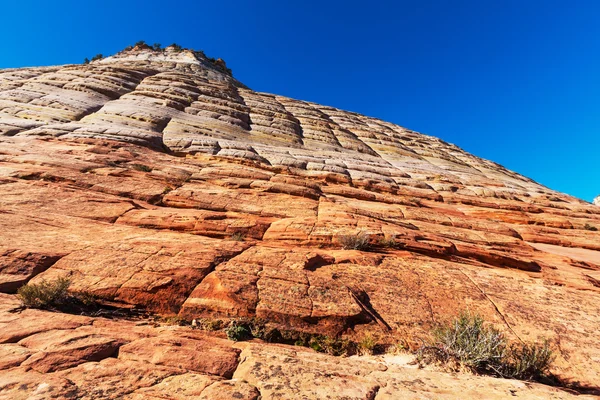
point(597, 201)
point(156, 181)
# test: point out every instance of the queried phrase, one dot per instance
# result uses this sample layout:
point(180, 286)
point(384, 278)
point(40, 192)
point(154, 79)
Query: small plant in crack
point(238, 237)
point(207, 324)
point(366, 345)
point(141, 167)
point(45, 294)
point(389, 242)
point(238, 331)
point(357, 241)
point(55, 295)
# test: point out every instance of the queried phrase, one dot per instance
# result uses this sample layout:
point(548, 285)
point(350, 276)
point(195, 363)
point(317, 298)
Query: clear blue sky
point(516, 82)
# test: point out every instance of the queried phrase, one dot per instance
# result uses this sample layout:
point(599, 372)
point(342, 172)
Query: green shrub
point(97, 57)
point(45, 294)
point(366, 345)
point(86, 60)
point(237, 331)
point(141, 43)
point(358, 241)
point(156, 47)
point(529, 361)
point(589, 227)
point(471, 343)
point(207, 324)
point(176, 47)
point(474, 344)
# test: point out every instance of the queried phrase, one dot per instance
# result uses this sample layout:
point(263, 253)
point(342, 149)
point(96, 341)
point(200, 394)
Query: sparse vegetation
point(366, 345)
point(529, 361)
point(248, 328)
point(55, 295)
point(142, 44)
point(589, 227)
point(97, 57)
point(86, 60)
point(358, 241)
point(175, 320)
point(207, 324)
point(470, 343)
point(141, 167)
point(157, 47)
point(176, 47)
point(45, 294)
point(389, 242)
point(330, 345)
point(238, 237)
point(237, 331)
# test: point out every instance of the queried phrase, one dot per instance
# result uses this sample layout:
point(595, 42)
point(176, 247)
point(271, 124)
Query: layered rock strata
point(156, 180)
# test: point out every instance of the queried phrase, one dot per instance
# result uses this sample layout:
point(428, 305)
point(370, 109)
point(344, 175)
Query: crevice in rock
point(362, 299)
point(493, 304)
point(430, 307)
point(373, 393)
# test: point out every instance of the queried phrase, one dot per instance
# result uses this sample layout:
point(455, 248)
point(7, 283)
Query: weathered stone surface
point(206, 355)
point(156, 181)
point(18, 267)
point(283, 372)
point(182, 363)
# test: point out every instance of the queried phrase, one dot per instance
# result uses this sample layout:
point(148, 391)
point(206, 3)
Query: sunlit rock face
point(155, 180)
point(597, 201)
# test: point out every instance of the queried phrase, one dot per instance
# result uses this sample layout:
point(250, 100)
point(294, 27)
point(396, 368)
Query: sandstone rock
point(201, 354)
point(287, 372)
point(159, 183)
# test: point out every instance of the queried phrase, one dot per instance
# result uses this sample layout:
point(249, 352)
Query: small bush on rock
point(389, 242)
point(142, 44)
point(238, 237)
point(358, 241)
point(141, 167)
point(470, 343)
point(528, 361)
point(238, 331)
point(366, 346)
point(176, 47)
point(45, 294)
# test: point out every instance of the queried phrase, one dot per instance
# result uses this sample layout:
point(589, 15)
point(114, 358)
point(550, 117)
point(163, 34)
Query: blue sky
point(516, 82)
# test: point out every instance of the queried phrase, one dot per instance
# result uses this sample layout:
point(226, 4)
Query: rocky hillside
point(161, 186)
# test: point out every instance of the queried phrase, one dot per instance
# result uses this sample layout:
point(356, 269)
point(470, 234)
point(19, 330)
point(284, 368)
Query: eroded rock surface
point(172, 362)
point(156, 180)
